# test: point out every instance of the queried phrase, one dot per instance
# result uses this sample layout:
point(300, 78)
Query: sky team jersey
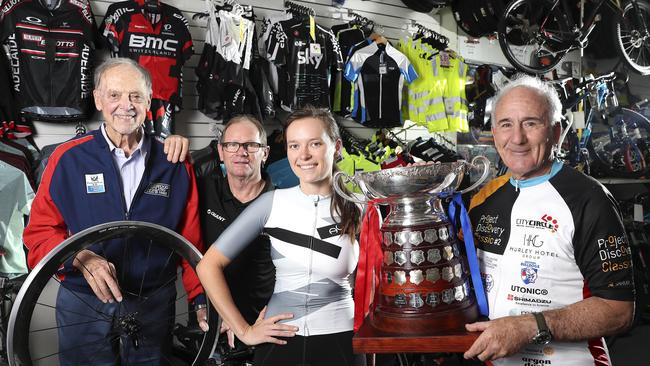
point(379, 71)
point(162, 48)
point(50, 52)
point(547, 244)
point(305, 63)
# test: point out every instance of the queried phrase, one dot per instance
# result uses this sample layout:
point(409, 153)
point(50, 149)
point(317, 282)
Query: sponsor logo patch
point(158, 189)
point(95, 183)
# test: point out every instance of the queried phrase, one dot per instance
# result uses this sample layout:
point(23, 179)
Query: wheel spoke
point(72, 349)
point(106, 316)
point(67, 325)
point(70, 311)
point(144, 274)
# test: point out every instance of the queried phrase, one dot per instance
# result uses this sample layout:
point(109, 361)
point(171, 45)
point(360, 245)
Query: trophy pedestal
point(371, 340)
point(416, 324)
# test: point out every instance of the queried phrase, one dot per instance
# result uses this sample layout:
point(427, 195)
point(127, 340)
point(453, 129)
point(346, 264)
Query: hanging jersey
point(546, 244)
point(305, 62)
point(347, 39)
point(50, 52)
point(313, 259)
point(379, 71)
point(233, 37)
point(162, 48)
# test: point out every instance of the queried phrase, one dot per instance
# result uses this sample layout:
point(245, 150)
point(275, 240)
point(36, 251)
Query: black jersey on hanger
point(50, 52)
point(305, 62)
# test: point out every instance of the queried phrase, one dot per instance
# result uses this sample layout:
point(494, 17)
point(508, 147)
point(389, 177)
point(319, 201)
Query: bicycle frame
point(575, 36)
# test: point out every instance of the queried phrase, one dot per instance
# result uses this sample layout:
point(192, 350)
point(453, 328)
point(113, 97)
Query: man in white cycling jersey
point(551, 245)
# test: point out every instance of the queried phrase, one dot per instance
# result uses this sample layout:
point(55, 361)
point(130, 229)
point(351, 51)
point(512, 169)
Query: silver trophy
point(417, 224)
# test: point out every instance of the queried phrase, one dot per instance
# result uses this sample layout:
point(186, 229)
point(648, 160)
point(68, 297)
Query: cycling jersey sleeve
point(602, 250)
point(334, 49)
point(277, 45)
point(248, 226)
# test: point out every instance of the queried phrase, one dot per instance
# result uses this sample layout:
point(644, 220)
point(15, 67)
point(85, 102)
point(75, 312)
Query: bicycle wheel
point(33, 327)
point(620, 147)
point(531, 35)
point(633, 38)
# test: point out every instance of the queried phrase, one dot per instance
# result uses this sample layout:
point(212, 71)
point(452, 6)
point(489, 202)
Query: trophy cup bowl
point(425, 282)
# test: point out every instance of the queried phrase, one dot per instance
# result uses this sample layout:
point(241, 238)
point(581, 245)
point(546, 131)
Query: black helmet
point(425, 6)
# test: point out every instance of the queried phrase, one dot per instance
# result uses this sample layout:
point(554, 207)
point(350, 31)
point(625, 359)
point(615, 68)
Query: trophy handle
point(338, 182)
point(486, 171)
point(446, 183)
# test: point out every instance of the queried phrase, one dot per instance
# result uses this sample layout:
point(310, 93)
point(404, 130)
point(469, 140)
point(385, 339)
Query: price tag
point(638, 213)
point(242, 29)
point(383, 69)
point(312, 28)
point(444, 59)
point(314, 49)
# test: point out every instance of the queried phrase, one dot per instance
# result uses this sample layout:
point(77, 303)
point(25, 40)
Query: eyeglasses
point(233, 147)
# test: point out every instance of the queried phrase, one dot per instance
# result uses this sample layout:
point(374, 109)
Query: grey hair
point(245, 118)
point(122, 61)
point(545, 90)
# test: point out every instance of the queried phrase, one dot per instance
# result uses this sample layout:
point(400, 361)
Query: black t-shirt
point(251, 275)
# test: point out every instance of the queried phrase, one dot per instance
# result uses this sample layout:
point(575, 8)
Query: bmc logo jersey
point(50, 52)
point(546, 244)
point(305, 63)
point(161, 48)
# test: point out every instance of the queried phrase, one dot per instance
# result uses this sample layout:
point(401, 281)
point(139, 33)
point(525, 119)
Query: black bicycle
point(32, 331)
point(536, 34)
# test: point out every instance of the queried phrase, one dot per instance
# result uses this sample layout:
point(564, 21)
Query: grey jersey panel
point(246, 227)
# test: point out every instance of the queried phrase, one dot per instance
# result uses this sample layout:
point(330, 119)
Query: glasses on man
point(233, 147)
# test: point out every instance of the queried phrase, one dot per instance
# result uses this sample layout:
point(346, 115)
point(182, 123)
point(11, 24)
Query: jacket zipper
point(381, 62)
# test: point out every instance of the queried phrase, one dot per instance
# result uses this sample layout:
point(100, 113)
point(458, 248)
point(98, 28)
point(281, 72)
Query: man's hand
point(202, 319)
point(265, 330)
point(100, 275)
point(501, 337)
point(176, 147)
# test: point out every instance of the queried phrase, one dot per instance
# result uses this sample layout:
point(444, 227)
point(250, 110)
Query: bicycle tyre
point(628, 159)
point(521, 41)
point(632, 39)
point(18, 341)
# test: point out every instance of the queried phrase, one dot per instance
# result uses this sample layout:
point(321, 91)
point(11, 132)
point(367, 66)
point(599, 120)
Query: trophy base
point(424, 324)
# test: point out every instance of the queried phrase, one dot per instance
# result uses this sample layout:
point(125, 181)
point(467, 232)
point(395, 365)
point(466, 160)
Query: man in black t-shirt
point(251, 276)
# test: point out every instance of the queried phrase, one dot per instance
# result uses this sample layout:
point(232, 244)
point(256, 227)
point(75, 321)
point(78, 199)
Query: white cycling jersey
point(313, 259)
point(548, 242)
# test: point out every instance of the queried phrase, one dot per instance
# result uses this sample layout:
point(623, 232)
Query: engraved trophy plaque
point(425, 281)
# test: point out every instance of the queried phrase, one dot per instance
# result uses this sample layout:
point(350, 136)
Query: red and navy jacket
point(81, 188)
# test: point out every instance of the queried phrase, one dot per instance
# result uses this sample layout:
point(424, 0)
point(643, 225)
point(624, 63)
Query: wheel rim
point(30, 333)
point(634, 43)
point(524, 43)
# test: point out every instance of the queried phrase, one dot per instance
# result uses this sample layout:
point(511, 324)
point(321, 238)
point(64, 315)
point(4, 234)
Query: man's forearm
point(590, 318)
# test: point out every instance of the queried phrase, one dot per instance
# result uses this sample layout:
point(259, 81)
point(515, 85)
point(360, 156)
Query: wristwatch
point(543, 335)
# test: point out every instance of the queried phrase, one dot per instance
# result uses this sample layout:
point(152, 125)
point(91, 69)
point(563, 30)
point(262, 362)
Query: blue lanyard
point(470, 248)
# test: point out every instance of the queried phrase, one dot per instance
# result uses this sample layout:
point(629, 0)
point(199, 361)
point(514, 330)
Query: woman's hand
point(265, 330)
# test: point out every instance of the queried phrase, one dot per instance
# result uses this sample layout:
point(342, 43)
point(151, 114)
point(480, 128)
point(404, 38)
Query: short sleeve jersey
point(161, 48)
point(306, 62)
point(546, 243)
point(379, 71)
point(50, 52)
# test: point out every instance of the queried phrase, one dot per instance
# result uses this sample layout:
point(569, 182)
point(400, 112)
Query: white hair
point(545, 90)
